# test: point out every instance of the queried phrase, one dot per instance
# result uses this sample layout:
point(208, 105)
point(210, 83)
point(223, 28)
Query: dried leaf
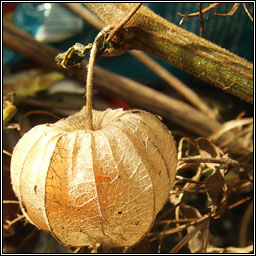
point(196, 243)
point(208, 150)
point(28, 83)
point(216, 190)
point(189, 236)
point(9, 110)
point(189, 211)
point(199, 241)
point(8, 113)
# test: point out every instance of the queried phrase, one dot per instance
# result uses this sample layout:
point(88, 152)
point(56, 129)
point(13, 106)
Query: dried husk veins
point(103, 186)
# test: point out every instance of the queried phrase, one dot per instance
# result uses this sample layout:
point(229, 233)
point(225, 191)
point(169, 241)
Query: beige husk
point(104, 186)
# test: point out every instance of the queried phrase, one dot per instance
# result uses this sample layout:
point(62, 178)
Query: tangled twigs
point(211, 7)
point(10, 223)
point(233, 10)
point(196, 14)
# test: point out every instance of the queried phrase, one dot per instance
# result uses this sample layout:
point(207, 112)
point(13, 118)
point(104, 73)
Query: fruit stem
point(89, 85)
point(98, 47)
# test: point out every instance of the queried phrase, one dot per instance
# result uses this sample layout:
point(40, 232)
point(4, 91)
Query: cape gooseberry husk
point(103, 186)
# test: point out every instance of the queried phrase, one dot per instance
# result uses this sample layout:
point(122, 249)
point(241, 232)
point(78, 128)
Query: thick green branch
point(151, 33)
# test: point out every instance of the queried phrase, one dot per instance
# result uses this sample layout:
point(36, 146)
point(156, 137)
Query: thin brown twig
point(124, 21)
point(77, 250)
point(242, 201)
point(155, 235)
point(196, 14)
point(10, 202)
point(33, 112)
point(231, 12)
point(189, 236)
point(244, 225)
point(198, 159)
point(201, 19)
point(7, 152)
point(183, 179)
point(248, 13)
point(176, 221)
point(10, 223)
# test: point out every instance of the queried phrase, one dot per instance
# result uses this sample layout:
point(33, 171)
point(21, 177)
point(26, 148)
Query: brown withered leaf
point(208, 150)
point(190, 235)
point(197, 242)
point(216, 190)
point(189, 211)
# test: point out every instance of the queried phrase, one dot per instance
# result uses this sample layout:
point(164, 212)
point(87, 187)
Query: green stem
point(205, 60)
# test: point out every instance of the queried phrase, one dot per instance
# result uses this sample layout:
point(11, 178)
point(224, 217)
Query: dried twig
point(231, 12)
point(10, 202)
point(244, 225)
point(7, 153)
point(199, 159)
point(196, 14)
point(189, 236)
point(10, 223)
point(123, 22)
point(201, 20)
point(246, 10)
point(35, 112)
